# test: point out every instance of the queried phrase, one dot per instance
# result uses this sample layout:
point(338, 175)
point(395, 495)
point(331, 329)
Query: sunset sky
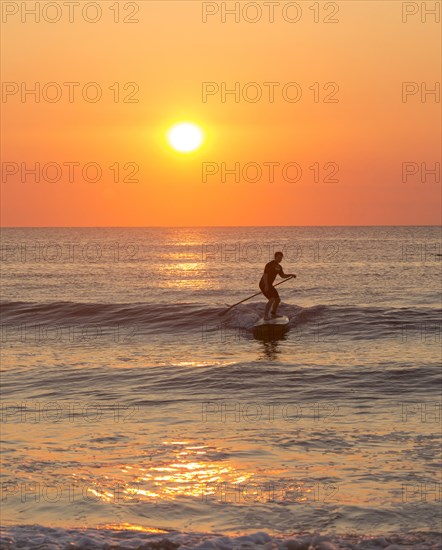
point(171, 54)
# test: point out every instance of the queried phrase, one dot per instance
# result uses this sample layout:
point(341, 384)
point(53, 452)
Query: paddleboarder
point(271, 270)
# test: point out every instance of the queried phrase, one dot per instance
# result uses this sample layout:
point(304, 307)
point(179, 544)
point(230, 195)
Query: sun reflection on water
point(185, 474)
point(130, 527)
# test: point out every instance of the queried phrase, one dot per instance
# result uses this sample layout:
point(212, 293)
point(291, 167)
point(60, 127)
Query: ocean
point(138, 413)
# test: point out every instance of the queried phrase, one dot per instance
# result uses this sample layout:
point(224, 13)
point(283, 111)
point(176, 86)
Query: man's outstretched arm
point(285, 275)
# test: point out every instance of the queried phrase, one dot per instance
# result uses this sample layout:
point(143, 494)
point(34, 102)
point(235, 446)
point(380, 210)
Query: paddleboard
point(279, 321)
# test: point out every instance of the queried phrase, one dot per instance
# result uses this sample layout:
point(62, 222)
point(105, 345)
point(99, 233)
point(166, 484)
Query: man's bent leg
point(267, 308)
point(276, 303)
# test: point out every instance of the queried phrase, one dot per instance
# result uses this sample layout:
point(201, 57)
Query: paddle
point(253, 295)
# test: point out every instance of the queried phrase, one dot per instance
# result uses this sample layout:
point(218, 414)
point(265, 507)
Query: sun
point(185, 137)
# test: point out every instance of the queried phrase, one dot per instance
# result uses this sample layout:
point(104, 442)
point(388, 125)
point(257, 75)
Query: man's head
point(278, 257)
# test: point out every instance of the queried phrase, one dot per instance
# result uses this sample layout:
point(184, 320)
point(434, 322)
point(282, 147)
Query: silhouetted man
point(266, 285)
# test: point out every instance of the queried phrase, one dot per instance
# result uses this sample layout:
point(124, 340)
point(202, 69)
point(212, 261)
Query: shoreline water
point(118, 538)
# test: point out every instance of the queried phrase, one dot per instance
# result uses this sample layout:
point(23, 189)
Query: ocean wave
point(357, 321)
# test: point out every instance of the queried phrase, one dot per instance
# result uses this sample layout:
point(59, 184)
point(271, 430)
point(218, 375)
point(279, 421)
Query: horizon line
point(194, 226)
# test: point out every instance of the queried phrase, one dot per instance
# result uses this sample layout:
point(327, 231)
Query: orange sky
point(169, 53)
